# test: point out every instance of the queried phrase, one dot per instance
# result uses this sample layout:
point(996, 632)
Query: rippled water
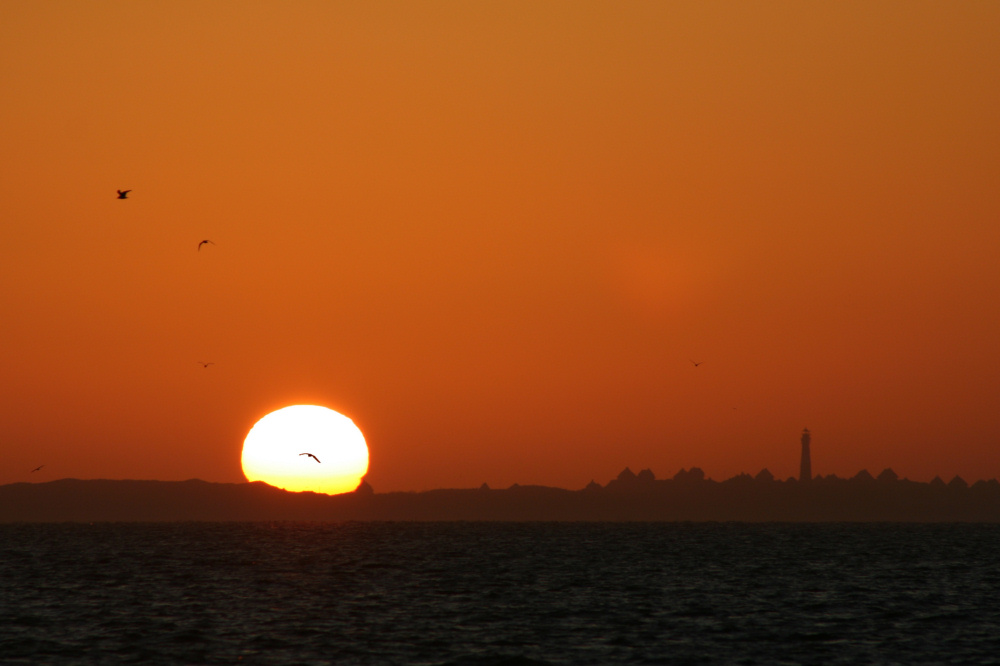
point(492, 593)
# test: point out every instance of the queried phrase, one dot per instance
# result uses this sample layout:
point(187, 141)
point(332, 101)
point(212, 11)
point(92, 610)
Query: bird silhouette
point(203, 242)
point(696, 363)
point(204, 364)
point(123, 194)
point(37, 468)
point(310, 455)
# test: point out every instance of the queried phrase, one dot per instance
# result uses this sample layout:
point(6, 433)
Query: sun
point(306, 447)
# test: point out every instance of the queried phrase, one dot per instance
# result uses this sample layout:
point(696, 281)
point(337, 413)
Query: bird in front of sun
point(123, 194)
point(204, 364)
point(696, 363)
point(37, 468)
point(203, 242)
point(278, 448)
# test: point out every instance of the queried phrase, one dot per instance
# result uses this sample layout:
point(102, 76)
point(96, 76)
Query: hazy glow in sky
point(496, 235)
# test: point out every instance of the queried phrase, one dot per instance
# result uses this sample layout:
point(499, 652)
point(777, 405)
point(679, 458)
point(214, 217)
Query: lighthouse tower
point(805, 470)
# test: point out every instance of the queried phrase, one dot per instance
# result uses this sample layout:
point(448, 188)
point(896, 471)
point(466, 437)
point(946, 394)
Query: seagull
point(310, 455)
point(696, 364)
point(123, 194)
point(205, 365)
point(37, 468)
point(203, 242)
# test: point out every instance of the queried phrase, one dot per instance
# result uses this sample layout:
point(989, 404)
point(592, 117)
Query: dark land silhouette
point(688, 496)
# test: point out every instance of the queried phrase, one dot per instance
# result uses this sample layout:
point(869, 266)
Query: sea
point(499, 593)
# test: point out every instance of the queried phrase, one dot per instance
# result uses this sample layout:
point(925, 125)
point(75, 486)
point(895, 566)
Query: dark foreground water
point(491, 593)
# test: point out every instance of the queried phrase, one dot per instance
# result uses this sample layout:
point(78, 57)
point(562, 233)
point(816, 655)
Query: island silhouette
point(688, 496)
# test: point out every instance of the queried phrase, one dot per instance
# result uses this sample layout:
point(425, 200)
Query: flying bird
point(204, 364)
point(310, 455)
point(203, 242)
point(696, 363)
point(37, 468)
point(123, 194)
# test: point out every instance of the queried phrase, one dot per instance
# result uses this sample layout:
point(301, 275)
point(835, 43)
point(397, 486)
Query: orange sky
point(495, 235)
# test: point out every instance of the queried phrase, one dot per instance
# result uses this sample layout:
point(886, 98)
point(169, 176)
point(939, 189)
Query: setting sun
point(306, 447)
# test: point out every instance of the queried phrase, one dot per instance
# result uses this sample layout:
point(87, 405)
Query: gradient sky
point(496, 235)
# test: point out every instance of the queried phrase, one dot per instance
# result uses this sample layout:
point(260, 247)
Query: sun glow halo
point(273, 447)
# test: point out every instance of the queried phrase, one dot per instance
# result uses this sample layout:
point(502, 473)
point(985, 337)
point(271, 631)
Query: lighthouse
point(805, 470)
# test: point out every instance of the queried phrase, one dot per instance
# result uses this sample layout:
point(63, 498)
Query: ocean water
point(499, 593)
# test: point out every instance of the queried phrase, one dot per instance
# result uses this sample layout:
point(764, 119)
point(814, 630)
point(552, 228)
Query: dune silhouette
point(688, 496)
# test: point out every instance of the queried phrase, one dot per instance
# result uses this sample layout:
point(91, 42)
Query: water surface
point(498, 593)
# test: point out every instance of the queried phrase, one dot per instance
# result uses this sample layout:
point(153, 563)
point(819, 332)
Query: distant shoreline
point(630, 497)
